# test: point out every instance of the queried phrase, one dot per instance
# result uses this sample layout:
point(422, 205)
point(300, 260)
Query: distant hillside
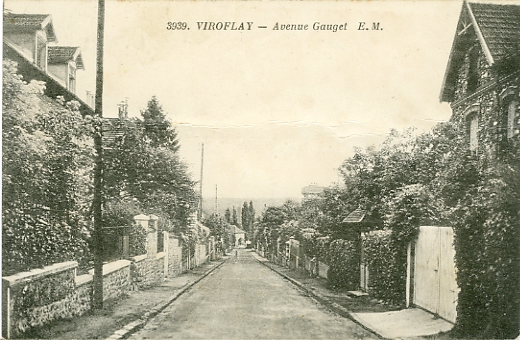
point(208, 205)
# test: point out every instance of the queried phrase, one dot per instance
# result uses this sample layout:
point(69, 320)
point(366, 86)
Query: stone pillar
point(151, 239)
point(149, 226)
point(166, 242)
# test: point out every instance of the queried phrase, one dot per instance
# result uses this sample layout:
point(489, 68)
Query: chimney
point(123, 109)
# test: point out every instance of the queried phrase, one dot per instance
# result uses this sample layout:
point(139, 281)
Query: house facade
point(30, 41)
point(482, 83)
point(482, 78)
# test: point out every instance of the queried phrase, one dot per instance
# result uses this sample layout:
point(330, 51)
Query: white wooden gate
point(435, 285)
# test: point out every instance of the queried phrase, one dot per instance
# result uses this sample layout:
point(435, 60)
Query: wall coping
point(160, 255)
point(112, 267)
point(37, 273)
point(82, 279)
point(139, 258)
point(141, 218)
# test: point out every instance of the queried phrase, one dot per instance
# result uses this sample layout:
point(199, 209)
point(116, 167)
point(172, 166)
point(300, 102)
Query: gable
point(29, 23)
point(494, 28)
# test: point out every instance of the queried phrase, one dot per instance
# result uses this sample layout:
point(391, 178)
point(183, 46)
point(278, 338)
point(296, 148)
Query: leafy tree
point(46, 163)
point(143, 164)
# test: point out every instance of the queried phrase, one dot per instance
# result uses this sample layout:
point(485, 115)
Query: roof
point(312, 189)
point(355, 217)
point(237, 230)
point(29, 23)
point(29, 71)
point(64, 54)
point(500, 27)
point(497, 29)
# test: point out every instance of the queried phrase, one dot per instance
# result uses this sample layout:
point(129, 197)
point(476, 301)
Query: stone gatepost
point(149, 223)
point(151, 239)
point(166, 249)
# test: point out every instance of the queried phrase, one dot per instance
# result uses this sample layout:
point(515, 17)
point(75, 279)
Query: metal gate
point(435, 285)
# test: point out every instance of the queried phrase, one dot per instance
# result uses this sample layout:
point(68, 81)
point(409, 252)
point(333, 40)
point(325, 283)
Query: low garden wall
point(40, 296)
point(36, 297)
point(146, 271)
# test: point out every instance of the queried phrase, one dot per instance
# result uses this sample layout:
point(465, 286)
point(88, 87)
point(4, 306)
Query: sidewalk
point(129, 313)
point(388, 322)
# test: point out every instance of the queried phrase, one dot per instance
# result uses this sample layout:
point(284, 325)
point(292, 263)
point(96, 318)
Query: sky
point(276, 110)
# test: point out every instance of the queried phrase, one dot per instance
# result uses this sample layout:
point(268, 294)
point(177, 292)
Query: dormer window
point(64, 61)
point(41, 53)
point(72, 79)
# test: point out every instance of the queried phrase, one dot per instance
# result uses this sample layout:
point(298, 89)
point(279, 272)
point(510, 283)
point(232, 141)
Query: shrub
point(344, 264)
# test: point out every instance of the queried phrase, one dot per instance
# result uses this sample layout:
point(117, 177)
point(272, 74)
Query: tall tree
point(245, 217)
point(227, 215)
point(157, 129)
point(234, 217)
point(143, 164)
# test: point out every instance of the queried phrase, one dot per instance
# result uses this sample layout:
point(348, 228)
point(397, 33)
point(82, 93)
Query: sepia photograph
point(176, 169)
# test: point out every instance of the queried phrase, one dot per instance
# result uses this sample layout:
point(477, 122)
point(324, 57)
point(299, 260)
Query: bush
point(344, 264)
point(386, 274)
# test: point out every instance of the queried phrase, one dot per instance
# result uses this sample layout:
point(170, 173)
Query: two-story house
point(483, 75)
point(28, 40)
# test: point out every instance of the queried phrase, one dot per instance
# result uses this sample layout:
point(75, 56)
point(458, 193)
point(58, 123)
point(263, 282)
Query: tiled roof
point(111, 130)
point(355, 217)
point(500, 26)
point(28, 23)
point(497, 28)
point(312, 189)
point(237, 230)
point(62, 54)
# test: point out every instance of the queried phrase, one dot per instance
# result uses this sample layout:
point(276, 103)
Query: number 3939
point(172, 26)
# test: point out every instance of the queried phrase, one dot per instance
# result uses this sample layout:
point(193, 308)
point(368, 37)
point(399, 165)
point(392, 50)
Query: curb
point(136, 325)
point(323, 300)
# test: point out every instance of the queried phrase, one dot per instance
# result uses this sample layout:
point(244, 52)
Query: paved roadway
point(245, 300)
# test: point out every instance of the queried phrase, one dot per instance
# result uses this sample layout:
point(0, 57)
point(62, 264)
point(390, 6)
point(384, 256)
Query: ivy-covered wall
point(486, 218)
point(387, 279)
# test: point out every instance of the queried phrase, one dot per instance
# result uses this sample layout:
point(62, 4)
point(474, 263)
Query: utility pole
point(97, 204)
point(201, 176)
point(216, 199)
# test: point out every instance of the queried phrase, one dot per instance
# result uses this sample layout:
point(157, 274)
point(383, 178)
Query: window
point(41, 53)
point(471, 116)
point(512, 119)
point(473, 132)
point(72, 79)
point(473, 70)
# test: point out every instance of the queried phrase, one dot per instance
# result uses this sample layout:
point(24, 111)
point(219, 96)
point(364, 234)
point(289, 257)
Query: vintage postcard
point(260, 169)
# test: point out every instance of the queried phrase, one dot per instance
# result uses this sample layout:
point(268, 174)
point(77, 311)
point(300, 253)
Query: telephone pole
point(201, 177)
point(97, 204)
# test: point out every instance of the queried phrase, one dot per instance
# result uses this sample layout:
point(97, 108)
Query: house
point(28, 40)
point(312, 191)
point(239, 236)
point(482, 85)
point(482, 78)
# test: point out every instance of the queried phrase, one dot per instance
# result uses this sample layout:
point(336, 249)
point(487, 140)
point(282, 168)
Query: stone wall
point(37, 297)
point(40, 296)
point(116, 278)
point(174, 257)
point(146, 271)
